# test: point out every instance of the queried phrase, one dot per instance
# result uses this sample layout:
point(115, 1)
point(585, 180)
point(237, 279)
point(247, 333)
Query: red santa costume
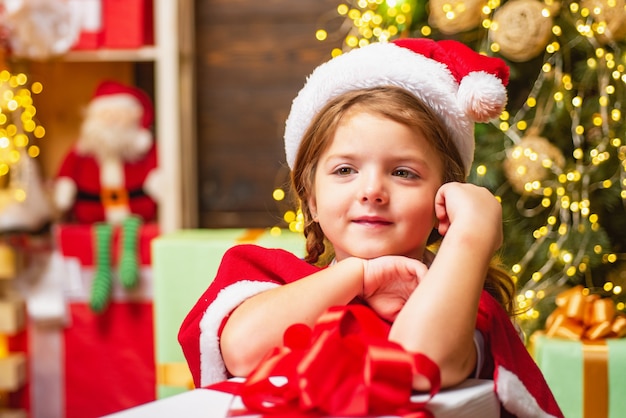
point(462, 87)
point(109, 177)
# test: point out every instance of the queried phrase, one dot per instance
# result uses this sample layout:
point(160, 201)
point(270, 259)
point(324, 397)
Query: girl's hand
point(388, 281)
point(469, 210)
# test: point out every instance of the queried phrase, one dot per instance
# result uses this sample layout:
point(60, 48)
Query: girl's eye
point(344, 171)
point(404, 173)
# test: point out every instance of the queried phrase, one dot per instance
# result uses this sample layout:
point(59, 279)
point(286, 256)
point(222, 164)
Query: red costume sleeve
point(245, 271)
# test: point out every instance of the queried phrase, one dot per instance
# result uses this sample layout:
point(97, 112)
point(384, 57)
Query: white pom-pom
point(482, 96)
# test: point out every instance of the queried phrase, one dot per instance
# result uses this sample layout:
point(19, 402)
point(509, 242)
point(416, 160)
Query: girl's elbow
point(239, 358)
point(451, 372)
point(453, 376)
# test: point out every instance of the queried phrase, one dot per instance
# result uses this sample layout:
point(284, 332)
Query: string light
point(373, 21)
point(18, 127)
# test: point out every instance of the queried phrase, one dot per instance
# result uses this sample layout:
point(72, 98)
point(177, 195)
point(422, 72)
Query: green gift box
point(587, 378)
point(184, 263)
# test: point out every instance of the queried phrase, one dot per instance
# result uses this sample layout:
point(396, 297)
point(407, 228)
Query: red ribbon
point(344, 366)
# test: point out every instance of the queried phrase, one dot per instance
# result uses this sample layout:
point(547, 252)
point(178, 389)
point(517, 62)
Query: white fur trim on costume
point(381, 64)
point(115, 101)
point(212, 367)
point(64, 193)
point(153, 185)
point(515, 397)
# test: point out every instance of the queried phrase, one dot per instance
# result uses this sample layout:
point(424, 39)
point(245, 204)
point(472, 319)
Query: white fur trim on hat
point(481, 97)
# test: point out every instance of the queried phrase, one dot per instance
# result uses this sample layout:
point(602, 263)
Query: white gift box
point(472, 398)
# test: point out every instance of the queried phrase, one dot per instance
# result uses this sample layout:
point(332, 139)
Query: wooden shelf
point(148, 53)
point(71, 77)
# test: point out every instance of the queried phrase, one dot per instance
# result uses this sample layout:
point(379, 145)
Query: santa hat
point(109, 88)
point(459, 84)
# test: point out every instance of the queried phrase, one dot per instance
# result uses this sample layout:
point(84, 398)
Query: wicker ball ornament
point(533, 159)
point(610, 15)
point(454, 16)
point(521, 29)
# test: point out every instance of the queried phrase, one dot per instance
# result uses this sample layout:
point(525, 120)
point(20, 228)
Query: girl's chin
point(370, 253)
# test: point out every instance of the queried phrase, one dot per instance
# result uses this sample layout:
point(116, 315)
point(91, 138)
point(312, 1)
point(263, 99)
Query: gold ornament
point(532, 160)
point(521, 29)
point(610, 18)
point(454, 16)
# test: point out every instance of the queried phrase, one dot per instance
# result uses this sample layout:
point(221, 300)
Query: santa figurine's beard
point(109, 140)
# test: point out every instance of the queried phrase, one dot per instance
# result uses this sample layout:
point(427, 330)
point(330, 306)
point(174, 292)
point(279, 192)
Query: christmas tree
point(556, 158)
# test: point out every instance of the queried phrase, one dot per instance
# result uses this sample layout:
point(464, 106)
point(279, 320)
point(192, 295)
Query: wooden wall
point(252, 58)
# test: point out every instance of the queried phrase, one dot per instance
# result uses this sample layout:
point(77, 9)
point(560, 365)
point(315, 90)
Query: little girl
point(379, 142)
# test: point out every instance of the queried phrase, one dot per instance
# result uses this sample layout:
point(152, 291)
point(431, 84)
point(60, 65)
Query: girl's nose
point(374, 191)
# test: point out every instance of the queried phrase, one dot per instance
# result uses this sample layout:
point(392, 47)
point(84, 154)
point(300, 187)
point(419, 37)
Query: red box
point(89, 14)
point(109, 359)
point(88, 41)
point(128, 23)
point(76, 240)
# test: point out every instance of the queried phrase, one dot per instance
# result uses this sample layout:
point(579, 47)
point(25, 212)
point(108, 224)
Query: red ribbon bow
point(344, 366)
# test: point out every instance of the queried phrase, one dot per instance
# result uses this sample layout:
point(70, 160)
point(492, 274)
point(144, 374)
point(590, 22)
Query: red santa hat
point(462, 86)
point(110, 88)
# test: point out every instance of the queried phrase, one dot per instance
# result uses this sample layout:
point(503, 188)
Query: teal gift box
point(587, 378)
point(184, 263)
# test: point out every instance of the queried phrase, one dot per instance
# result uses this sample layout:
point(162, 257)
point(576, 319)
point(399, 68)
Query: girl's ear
point(313, 209)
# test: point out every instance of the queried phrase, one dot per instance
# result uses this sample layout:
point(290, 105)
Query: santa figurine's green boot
point(129, 262)
point(103, 277)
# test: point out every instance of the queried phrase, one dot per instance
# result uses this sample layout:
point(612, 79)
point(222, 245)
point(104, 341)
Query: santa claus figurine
point(109, 178)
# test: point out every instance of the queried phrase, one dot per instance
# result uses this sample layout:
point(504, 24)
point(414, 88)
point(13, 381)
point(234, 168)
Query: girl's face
point(375, 188)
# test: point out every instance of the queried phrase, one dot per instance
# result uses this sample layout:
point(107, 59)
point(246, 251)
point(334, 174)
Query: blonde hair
point(402, 107)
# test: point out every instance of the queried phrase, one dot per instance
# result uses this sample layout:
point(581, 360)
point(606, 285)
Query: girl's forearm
point(259, 323)
point(440, 316)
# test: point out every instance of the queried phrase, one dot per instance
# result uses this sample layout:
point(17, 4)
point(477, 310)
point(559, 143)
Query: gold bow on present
point(581, 316)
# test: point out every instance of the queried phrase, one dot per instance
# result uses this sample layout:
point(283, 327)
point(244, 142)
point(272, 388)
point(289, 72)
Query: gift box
point(109, 359)
point(87, 364)
point(587, 378)
point(12, 372)
point(88, 14)
point(582, 354)
point(8, 261)
point(128, 23)
point(184, 264)
point(116, 24)
point(12, 314)
point(473, 398)
point(14, 379)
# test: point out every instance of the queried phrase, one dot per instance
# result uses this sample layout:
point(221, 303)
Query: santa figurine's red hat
point(460, 85)
point(109, 88)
